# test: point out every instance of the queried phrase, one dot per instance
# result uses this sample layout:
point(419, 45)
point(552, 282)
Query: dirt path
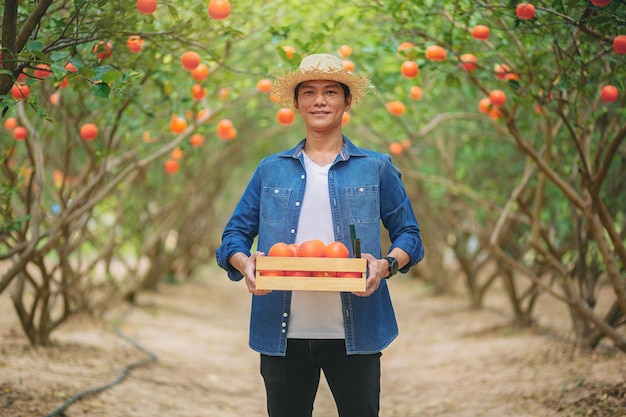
point(447, 362)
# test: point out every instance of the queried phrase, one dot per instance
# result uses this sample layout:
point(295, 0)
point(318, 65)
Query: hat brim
point(284, 86)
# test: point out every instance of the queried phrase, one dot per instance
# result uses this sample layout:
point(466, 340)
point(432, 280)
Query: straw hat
point(319, 67)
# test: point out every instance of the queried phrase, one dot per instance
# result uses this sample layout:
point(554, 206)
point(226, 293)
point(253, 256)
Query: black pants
point(291, 381)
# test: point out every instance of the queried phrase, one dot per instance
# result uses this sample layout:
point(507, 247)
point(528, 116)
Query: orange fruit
point(511, 76)
point(20, 133)
point(146, 6)
point(345, 118)
point(177, 154)
point(347, 65)
point(88, 131)
point(171, 166)
point(134, 43)
point(146, 137)
point(177, 124)
point(324, 274)
point(280, 249)
point(396, 148)
point(298, 273)
point(190, 60)
point(409, 69)
point(10, 123)
point(289, 51)
point(497, 97)
point(103, 49)
point(336, 250)
point(20, 91)
point(468, 62)
point(344, 51)
point(406, 50)
point(480, 32)
point(525, 11)
point(71, 67)
point(312, 249)
point(501, 70)
point(436, 53)
point(226, 130)
point(495, 113)
point(609, 93)
point(55, 98)
point(198, 92)
point(416, 92)
point(42, 71)
point(484, 105)
point(619, 44)
point(202, 114)
point(396, 108)
point(224, 93)
point(264, 85)
point(196, 140)
point(294, 248)
point(200, 73)
point(219, 9)
point(285, 116)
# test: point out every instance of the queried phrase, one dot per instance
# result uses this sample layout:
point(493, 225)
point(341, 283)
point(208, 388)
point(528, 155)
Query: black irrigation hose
point(151, 358)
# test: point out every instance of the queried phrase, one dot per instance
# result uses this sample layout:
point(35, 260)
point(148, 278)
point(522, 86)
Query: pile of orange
point(311, 248)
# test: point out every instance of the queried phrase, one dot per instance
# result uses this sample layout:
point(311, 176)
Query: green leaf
point(101, 90)
point(173, 12)
point(111, 76)
point(57, 56)
point(35, 46)
point(100, 71)
point(59, 71)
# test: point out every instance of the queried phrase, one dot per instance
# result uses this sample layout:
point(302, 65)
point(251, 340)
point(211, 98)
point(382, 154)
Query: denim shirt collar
point(349, 149)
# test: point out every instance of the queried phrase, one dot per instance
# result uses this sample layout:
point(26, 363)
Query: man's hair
point(346, 90)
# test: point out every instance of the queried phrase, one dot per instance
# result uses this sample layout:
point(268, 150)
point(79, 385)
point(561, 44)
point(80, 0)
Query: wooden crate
point(276, 263)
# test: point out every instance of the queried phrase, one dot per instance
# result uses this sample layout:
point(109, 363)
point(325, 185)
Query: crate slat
point(288, 283)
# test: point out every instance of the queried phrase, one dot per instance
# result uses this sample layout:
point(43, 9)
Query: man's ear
point(348, 103)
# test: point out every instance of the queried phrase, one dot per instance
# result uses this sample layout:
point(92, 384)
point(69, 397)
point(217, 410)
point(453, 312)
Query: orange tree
point(532, 191)
point(108, 191)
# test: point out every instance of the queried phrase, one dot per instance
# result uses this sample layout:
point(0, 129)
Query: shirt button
point(302, 176)
point(276, 191)
point(284, 331)
point(297, 204)
point(293, 231)
point(285, 315)
point(360, 189)
point(284, 324)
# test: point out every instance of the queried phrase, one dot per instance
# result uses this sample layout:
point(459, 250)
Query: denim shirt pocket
point(363, 203)
point(274, 204)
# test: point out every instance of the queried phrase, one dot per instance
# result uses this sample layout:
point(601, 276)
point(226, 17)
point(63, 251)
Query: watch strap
point(393, 265)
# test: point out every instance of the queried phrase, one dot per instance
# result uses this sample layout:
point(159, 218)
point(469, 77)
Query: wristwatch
point(393, 266)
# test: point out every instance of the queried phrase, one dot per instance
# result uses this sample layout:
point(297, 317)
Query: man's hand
point(250, 274)
point(378, 269)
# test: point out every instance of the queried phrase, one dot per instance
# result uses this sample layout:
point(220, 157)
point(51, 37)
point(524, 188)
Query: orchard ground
point(449, 361)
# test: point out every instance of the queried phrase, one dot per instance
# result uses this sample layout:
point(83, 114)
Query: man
point(315, 191)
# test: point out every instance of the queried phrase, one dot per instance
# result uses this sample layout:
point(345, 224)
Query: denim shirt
point(365, 189)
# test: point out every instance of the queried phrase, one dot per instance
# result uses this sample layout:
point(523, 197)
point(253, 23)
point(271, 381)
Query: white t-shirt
point(316, 314)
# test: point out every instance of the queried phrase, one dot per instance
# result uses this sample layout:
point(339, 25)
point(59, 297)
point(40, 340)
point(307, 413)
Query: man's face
point(322, 103)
